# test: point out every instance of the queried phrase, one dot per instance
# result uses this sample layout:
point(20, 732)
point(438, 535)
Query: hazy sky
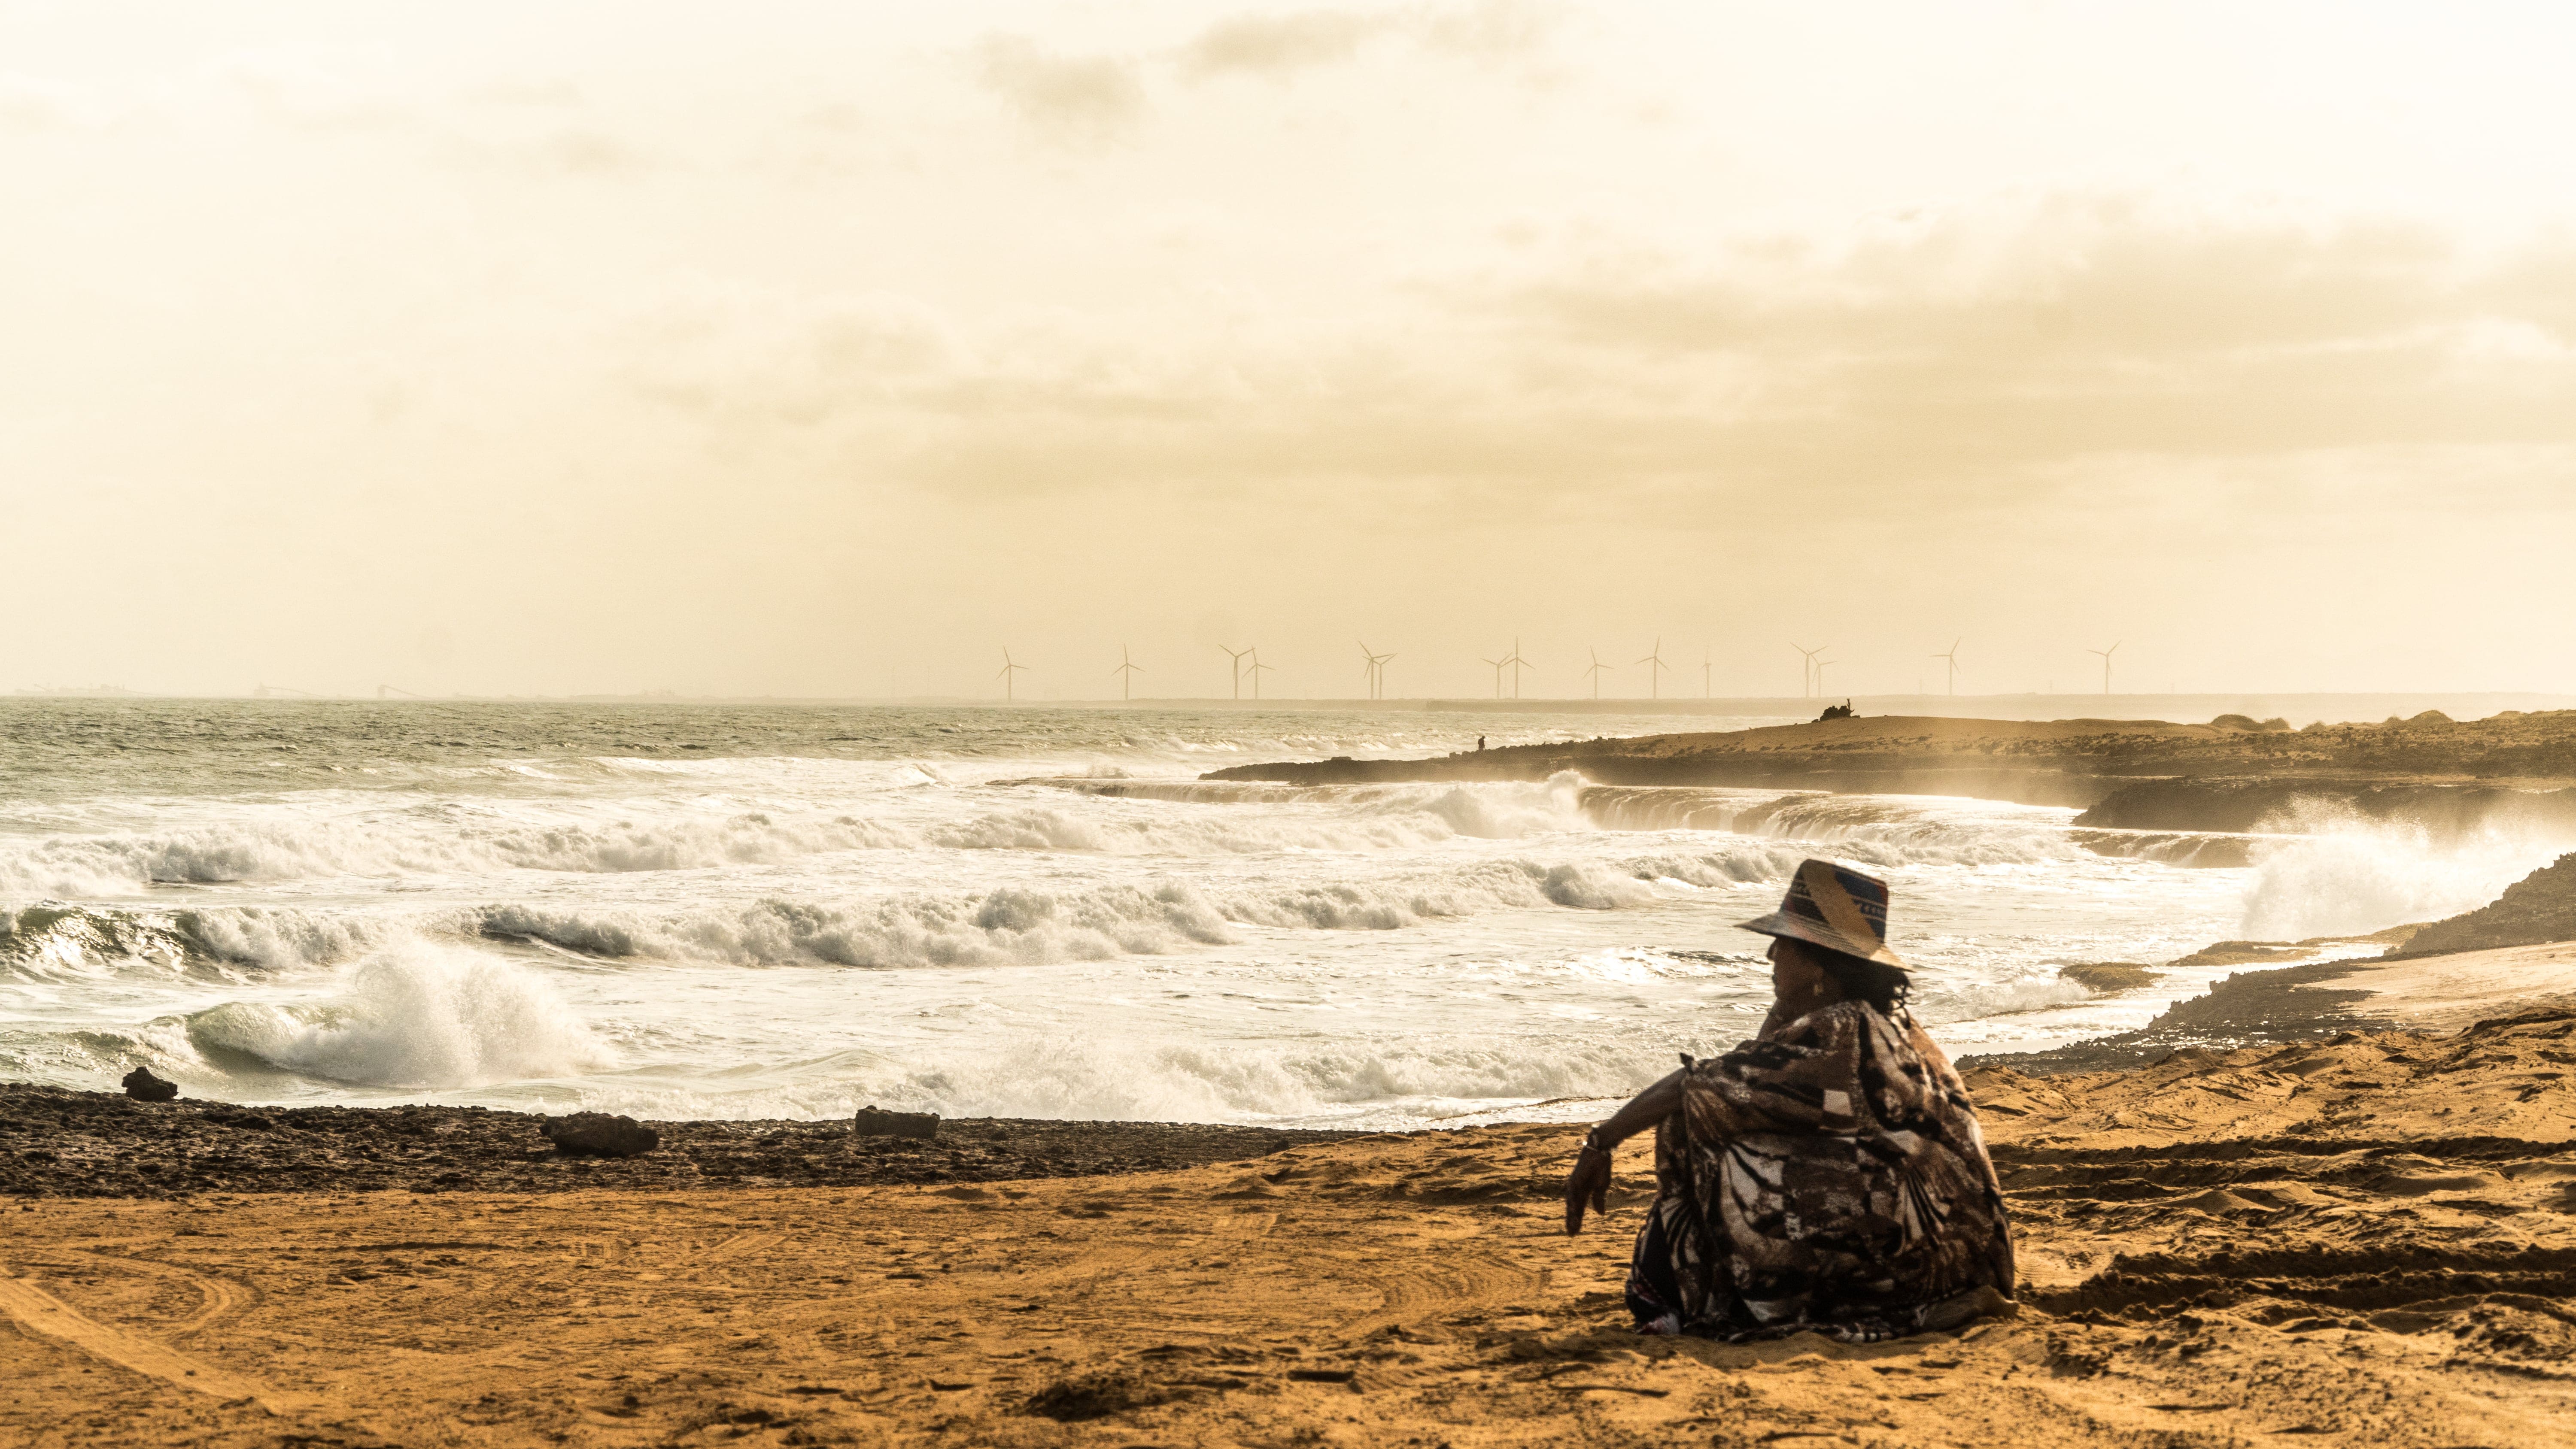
point(829, 349)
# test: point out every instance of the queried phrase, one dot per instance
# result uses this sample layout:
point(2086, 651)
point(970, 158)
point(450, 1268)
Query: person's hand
point(1589, 1182)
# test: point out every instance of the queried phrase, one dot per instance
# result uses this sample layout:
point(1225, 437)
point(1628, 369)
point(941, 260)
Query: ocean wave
point(1009, 926)
point(1875, 830)
point(2343, 872)
point(1088, 1077)
point(1029, 925)
point(451, 837)
point(1944, 1001)
point(444, 839)
point(417, 1014)
point(54, 940)
point(1020, 924)
point(1141, 819)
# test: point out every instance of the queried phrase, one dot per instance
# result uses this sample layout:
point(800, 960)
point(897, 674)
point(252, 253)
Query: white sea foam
point(1946, 1001)
point(1034, 925)
point(1091, 1077)
point(376, 904)
point(418, 1014)
point(2348, 873)
point(54, 939)
point(431, 842)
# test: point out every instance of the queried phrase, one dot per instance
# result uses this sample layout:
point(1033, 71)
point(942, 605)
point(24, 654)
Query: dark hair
point(1879, 984)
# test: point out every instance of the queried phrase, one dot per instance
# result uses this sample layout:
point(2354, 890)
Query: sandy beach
point(2367, 1239)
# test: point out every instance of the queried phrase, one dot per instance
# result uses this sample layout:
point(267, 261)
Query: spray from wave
point(420, 1014)
point(2346, 873)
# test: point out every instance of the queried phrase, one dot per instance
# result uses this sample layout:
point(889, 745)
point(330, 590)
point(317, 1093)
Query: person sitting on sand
point(1828, 1174)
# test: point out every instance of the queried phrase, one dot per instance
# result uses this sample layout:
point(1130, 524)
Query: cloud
point(317, 88)
point(2089, 331)
point(32, 103)
point(2068, 355)
point(1078, 100)
point(1279, 44)
point(585, 151)
point(1491, 30)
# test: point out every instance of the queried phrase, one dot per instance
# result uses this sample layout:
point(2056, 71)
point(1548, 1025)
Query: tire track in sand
point(43, 1313)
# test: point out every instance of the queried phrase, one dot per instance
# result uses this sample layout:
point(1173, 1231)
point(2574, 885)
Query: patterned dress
point(1827, 1175)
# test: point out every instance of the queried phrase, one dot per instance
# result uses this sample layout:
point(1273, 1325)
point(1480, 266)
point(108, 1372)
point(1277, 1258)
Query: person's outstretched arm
point(1589, 1183)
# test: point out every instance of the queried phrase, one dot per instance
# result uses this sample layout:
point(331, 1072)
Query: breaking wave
point(1390, 1083)
point(2345, 873)
point(53, 940)
point(438, 840)
point(1025, 925)
point(417, 1014)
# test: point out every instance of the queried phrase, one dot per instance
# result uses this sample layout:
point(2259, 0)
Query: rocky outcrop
point(142, 1086)
point(2273, 726)
point(2263, 804)
point(2126, 774)
point(60, 1143)
point(2104, 978)
point(874, 1121)
point(2538, 908)
point(597, 1134)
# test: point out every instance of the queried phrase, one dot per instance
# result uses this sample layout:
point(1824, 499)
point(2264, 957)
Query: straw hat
point(1838, 909)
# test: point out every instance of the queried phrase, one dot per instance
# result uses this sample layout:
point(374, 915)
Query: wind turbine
point(1707, 674)
point(1655, 676)
point(1255, 667)
point(1126, 671)
point(1010, 677)
point(1376, 671)
point(1518, 664)
point(1595, 672)
point(1238, 668)
point(1952, 655)
point(1807, 675)
point(1820, 673)
point(1498, 673)
point(2106, 663)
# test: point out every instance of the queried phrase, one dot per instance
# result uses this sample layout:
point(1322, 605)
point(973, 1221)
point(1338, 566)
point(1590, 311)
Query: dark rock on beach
point(2102, 978)
point(2293, 1002)
point(597, 1134)
point(142, 1086)
point(874, 1121)
point(2540, 907)
point(60, 1143)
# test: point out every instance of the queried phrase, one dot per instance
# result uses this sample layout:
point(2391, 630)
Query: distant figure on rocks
point(1480, 744)
point(1828, 1174)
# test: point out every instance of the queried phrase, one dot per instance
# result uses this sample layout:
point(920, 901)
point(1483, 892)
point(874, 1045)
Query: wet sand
point(2320, 999)
point(2368, 1239)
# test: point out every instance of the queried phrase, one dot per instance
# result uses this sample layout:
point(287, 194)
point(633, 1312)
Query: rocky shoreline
point(2228, 776)
point(57, 1143)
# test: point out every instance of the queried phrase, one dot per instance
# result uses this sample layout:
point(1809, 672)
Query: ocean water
point(721, 911)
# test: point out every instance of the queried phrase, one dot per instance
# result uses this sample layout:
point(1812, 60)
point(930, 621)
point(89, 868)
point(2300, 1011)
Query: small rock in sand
point(597, 1134)
point(142, 1086)
point(873, 1122)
